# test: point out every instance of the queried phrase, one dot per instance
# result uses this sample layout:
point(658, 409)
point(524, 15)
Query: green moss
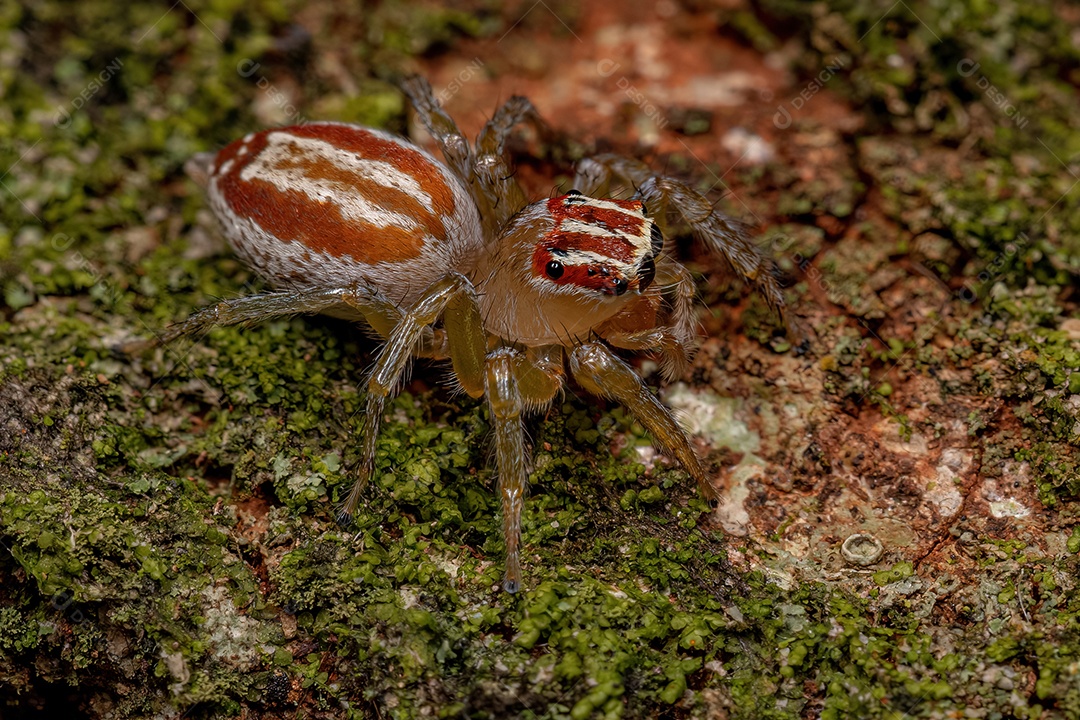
point(918, 68)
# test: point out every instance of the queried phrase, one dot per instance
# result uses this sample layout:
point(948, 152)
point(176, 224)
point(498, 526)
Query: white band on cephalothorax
point(575, 256)
point(569, 225)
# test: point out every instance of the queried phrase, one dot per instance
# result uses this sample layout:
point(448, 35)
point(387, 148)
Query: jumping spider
point(451, 261)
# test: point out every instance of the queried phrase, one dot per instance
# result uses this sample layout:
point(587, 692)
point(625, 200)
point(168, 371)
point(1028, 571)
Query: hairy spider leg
point(455, 148)
point(502, 196)
point(674, 353)
point(592, 178)
point(462, 339)
point(504, 401)
point(517, 381)
point(678, 340)
point(512, 380)
point(720, 234)
point(671, 274)
point(602, 373)
point(362, 300)
point(485, 172)
point(466, 342)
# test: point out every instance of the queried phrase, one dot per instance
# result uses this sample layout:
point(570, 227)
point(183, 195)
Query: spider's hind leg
point(358, 300)
point(485, 173)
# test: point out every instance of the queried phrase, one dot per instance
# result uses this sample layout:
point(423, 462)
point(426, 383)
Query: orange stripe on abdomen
point(291, 216)
point(338, 190)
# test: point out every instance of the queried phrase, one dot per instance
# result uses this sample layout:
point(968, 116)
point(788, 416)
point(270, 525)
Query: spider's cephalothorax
point(562, 267)
point(450, 261)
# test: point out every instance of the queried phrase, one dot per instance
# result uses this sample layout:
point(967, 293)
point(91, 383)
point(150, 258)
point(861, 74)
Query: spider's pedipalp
point(679, 284)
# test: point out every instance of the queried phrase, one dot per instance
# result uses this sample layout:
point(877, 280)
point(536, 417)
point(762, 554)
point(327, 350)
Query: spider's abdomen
point(326, 204)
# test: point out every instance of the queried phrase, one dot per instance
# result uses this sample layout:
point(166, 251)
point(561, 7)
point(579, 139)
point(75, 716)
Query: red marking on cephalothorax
point(579, 276)
point(541, 257)
point(618, 228)
point(293, 216)
point(616, 248)
point(631, 220)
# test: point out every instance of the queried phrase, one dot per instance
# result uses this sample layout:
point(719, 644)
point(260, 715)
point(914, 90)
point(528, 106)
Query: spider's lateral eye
point(657, 240)
point(554, 269)
point(573, 191)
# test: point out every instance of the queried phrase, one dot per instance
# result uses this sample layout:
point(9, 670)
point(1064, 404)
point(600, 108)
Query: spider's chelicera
point(451, 261)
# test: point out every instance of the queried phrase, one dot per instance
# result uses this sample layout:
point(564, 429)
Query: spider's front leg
point(516, 381)
point(720, 234)
point(600, 372)
point(504, 400)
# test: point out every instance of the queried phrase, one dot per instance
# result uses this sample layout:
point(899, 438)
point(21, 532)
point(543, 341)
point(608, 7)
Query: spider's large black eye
point(645, 275)
point(657, 240)
point(554, 269)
